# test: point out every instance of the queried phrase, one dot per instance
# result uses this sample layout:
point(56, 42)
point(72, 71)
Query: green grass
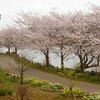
point(67, 73)
point(10, 90)
point(38, 94)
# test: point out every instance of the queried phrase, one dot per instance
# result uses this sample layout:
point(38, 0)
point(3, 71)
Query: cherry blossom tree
point(13, 38)
point(76, 33)
point(95, 20)
point(34, 26)
point(60, 36)
point(6, 40)
point(82, 25)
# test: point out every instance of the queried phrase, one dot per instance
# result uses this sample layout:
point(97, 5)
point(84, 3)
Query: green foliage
point(81, 75)
point(6, 77)
point(2, 76)
point(61, 74)
point(29, 80)
point(77, 92)
point(52, 87)
point(13, 78)
point(92, 96)
point(5, 90)
point(34, 82)
point(67, 72)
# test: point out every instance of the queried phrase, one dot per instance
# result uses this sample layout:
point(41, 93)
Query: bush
point(71, 73)
point(52, 87)
point(6, 77)
point(35, 82)
point(67, 73)
point(77, 92)
point(81, 75)
point(3, 76)
point(93, 73)
point(61, 74)
point(29, 80)
point(13, 78)
point(78, 70)
point(92, 96)
point(4, 91)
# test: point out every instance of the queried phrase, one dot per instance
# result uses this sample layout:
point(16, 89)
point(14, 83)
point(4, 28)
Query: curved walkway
point(88, 87)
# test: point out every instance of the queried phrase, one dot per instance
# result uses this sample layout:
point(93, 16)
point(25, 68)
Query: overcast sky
point(9, 8)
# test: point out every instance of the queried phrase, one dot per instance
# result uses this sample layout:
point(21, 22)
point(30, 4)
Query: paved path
point(88, 87)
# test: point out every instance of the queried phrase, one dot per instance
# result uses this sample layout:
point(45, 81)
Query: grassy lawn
point(11, 83)
point(10, 89)
point(38, 94)
point(67, 73)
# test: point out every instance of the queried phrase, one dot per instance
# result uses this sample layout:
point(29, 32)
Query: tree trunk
point(81, 64)
point(62, 62)
point(16, 50)
point(9, 50)
point(21, 76)
point(47, 58)
point(21, 82)
point(72, 93)
point(62, 58)
point(71, 86)
point(22, 97)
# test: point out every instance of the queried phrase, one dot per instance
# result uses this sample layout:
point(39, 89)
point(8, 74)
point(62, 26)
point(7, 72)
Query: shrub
point(77, 92)
point(78, 70)
point(52, 87)
point(29, 80)
point(81, 75)
point(71, 73)
point(13, 78)
point(93, 73)
point(92, 96)
point(2, 76)
point(61, 74)
point(44, 82)
point(8, 77)
point(35, 82)
point(5, 91)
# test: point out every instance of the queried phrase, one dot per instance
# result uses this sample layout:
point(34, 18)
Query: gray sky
point(9, 8)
